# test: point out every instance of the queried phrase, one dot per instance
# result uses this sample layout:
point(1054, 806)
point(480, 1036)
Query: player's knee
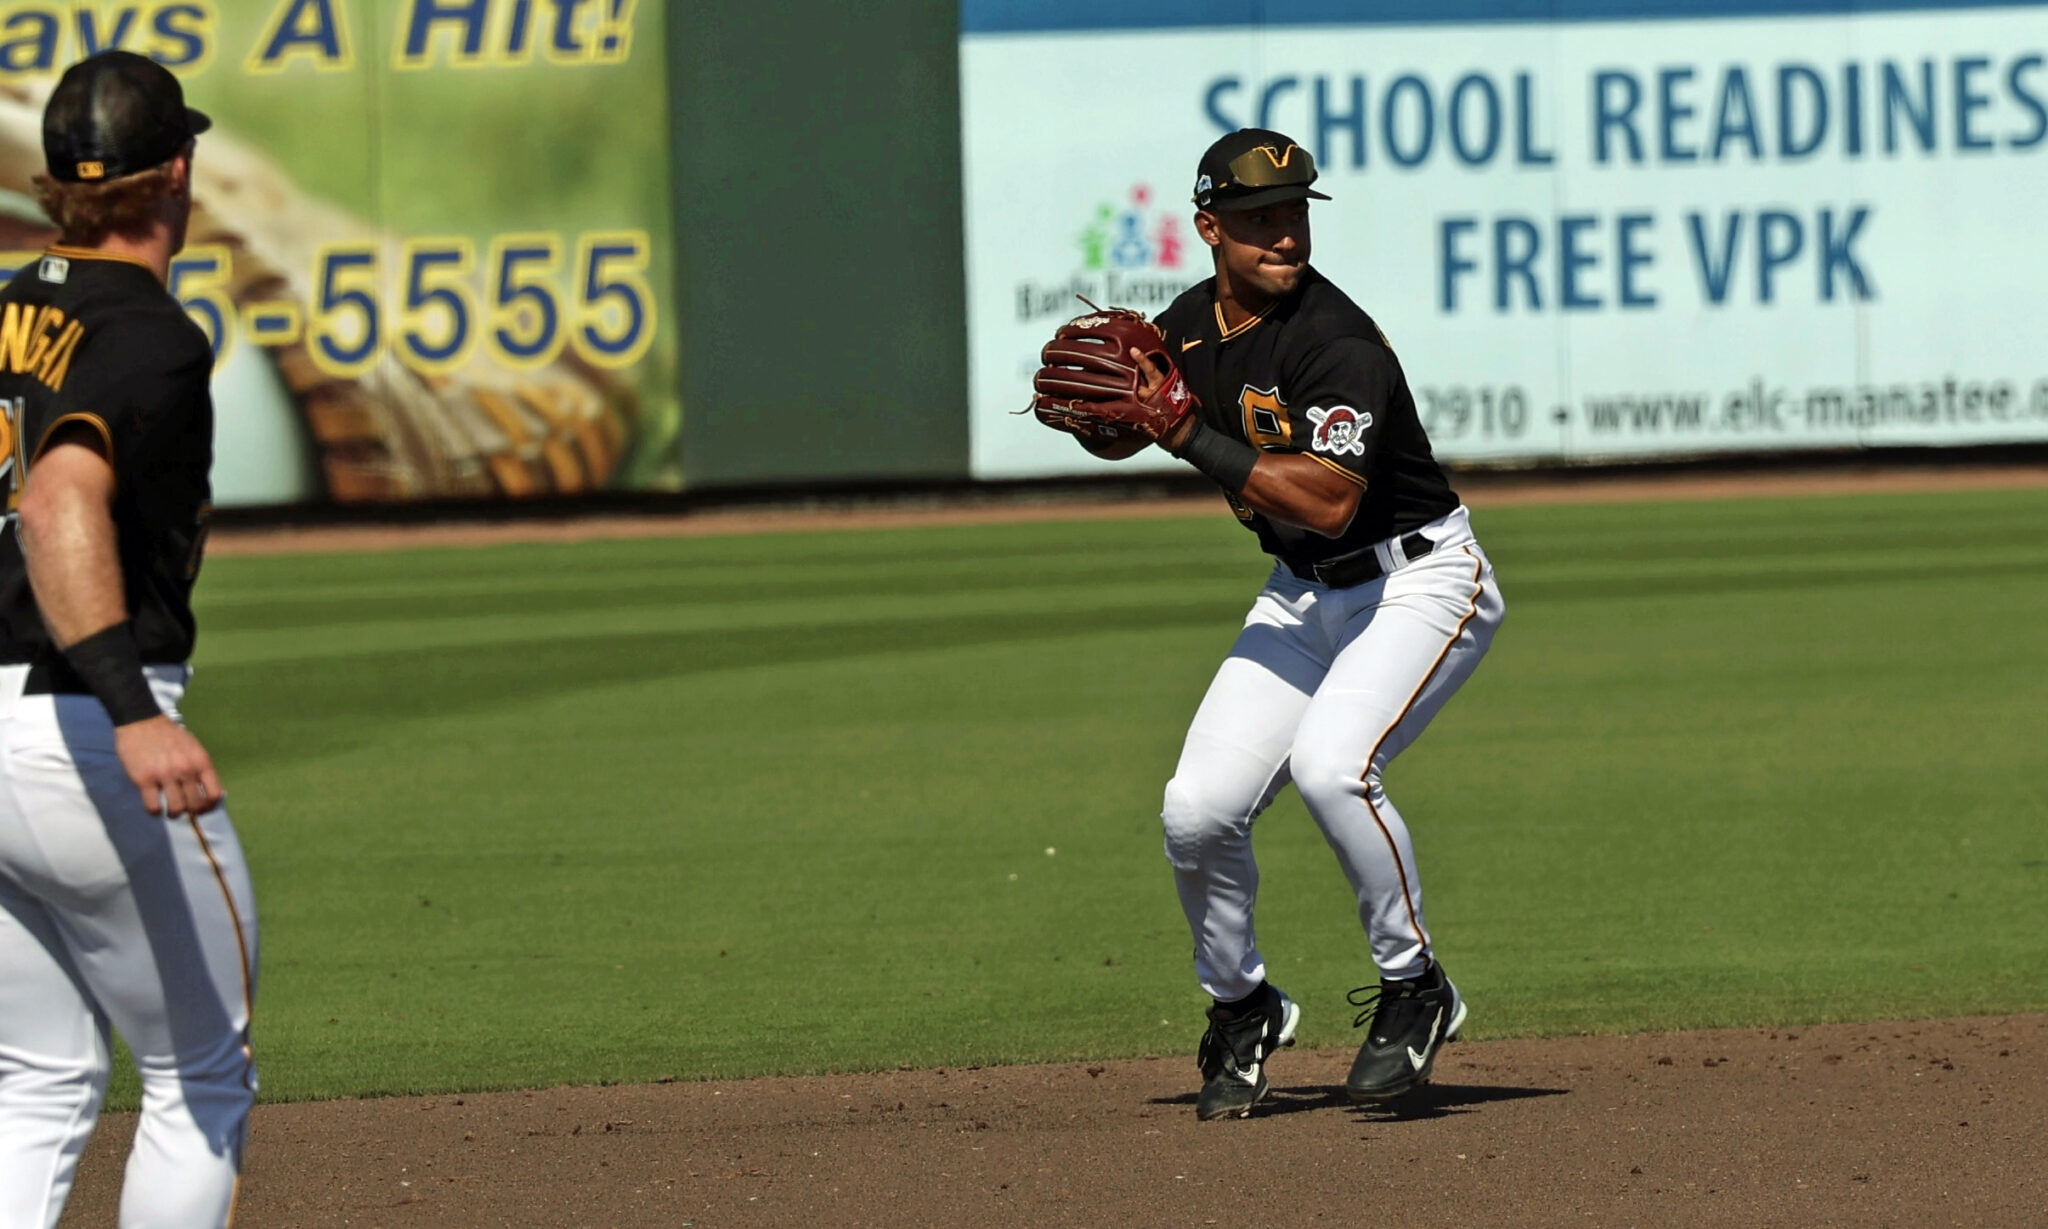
point(1197, 819)
point(214, 1091)
point(1329, 776)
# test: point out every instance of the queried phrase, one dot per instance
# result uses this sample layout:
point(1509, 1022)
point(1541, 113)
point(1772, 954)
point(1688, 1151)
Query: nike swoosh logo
point(1423, 1057)
point(1189, 345)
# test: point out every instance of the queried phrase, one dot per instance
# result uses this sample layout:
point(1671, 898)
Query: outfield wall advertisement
point(1633, 230)
point(430, 241)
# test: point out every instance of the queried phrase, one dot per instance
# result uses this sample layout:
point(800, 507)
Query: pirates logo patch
point(1339, 430)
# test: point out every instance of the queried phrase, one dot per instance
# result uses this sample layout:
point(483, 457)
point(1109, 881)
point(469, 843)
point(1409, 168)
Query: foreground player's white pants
point(111, 915)
point(1324, 687)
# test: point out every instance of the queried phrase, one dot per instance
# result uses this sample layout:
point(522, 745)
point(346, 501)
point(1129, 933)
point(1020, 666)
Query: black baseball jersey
point(94, 342)
point(1313, 375)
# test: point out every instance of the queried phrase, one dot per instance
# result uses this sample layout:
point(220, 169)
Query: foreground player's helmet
point(1253, 167)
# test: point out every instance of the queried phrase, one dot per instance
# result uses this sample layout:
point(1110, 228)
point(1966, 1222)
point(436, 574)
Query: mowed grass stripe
point(415, 607)
point(1728, 763)
point(288, 599)
point(902, 618)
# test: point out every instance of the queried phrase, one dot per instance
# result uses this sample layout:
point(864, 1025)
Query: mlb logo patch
point(54, 269)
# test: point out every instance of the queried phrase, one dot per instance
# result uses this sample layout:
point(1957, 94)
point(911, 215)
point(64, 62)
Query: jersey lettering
point(38, 341)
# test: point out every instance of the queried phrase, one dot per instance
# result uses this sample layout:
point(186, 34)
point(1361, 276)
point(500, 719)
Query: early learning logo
point(1134, 237)
point(1133, 253)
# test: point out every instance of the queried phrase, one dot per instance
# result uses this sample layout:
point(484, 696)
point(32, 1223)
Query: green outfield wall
point(818, 282)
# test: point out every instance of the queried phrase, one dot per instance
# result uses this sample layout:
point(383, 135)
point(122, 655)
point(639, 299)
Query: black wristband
point(109, 662)
point(1226, 460)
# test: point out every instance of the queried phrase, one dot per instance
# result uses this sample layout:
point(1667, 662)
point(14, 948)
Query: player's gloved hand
point(168, 765)
point(1108, 380)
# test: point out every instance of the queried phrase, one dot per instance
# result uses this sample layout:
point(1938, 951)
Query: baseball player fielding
point(1271, 381)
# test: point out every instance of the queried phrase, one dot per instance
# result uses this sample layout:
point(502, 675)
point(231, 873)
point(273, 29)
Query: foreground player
point(1379, 606)
point(124, 899)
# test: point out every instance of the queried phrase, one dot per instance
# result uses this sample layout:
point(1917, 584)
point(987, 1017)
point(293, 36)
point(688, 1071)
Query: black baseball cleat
point(1233, 1055)
point(1410, 1021)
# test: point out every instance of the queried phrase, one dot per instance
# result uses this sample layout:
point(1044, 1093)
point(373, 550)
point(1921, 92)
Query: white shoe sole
point(1290, 1020)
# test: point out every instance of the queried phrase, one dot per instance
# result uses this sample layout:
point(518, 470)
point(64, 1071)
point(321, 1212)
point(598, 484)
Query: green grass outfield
point(719, 807)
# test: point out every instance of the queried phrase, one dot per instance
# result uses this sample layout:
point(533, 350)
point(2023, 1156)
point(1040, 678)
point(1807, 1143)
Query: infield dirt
point(1930, 1123)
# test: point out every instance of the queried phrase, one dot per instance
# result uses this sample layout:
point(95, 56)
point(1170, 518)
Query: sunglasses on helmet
point(1263, 167)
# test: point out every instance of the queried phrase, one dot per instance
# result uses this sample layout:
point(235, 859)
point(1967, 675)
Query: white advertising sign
point(1793, 229)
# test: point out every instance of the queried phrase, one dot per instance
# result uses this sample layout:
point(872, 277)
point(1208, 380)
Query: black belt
point(1358, 567)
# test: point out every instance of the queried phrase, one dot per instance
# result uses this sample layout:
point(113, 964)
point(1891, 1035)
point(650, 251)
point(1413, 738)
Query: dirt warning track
point(1481, 491)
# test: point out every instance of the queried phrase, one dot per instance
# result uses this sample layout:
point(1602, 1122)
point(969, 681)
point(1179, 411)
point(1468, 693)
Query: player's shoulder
point(137, 318)
point(1188, 309)
point(163, 324)
point(112, 304)
point(1324, 315)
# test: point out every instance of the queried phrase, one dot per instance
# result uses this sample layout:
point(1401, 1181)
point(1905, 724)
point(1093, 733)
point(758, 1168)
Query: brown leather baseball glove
point(1109, 381)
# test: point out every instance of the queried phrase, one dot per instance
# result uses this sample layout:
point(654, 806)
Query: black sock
point(1238, 1007)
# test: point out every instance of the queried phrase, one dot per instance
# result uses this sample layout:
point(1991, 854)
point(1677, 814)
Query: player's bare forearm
point(74, 566)
point(67, 539)
point(1302, 492)
point(1288, 487)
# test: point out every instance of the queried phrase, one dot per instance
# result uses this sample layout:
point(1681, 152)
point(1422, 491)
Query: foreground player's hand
point(1152, 381)
point(169, 767)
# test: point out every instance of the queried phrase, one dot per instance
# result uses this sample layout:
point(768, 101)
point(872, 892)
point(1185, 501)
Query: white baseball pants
point(111, 915)
point(1324, 687)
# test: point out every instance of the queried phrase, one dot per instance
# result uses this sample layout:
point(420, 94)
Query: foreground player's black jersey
point(1313, 375)
point(94, 343)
